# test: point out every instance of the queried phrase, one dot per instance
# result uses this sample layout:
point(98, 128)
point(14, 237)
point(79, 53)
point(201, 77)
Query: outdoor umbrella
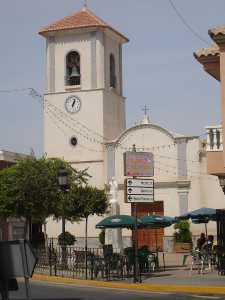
point(201, 215)
point(118, 221)
point(154, 221)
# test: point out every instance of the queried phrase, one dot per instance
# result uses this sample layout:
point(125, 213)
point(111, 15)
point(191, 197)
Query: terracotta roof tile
point(211, 51)
point(81, 19)
point(217, 30)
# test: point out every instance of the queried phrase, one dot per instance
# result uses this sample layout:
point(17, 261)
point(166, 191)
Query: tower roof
point(83, 18)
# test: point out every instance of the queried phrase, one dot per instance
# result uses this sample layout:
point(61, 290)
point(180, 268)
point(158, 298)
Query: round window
point(73, 141)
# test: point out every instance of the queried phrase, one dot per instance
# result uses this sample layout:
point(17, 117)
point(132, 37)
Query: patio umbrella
point(154, 221)
point(201, 215)
point(117, 221)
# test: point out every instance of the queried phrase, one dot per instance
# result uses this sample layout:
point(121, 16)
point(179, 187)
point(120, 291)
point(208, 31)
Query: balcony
point(214, 138)
point(214, 151)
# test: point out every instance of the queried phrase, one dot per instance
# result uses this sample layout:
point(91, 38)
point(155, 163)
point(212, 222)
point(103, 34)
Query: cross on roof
point(145, 109)
point(85, 3)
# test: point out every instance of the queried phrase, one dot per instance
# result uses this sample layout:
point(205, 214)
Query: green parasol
point(118, 221)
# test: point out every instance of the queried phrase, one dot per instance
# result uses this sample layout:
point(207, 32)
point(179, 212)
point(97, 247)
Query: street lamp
point(63, 179)
point(64, 186)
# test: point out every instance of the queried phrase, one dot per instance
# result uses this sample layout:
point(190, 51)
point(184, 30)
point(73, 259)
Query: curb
point(132, 286)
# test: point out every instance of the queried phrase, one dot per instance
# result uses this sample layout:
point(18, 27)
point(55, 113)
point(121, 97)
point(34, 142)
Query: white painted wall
point(102, 110)
point(57, 133)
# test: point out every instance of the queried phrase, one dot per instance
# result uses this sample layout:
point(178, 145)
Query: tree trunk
point(30, 229)
point(63, 226)
point(46, 239)
point(27, 231)
point(64, 260)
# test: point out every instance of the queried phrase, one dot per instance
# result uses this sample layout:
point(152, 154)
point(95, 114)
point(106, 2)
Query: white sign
point(139, 190)
point(140, 182)
point(140, 198)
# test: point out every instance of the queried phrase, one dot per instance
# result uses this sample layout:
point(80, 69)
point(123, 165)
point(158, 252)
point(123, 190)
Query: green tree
point(84, 202)
point(30, 189)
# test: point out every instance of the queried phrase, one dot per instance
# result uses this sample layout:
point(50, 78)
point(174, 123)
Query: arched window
point(112, 71)
point(73, 68)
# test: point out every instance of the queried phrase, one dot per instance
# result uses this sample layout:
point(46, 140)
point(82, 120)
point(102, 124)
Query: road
point(42, 291)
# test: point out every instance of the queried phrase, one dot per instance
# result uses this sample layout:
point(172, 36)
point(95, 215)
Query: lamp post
point(64, 186)
point(136, 263)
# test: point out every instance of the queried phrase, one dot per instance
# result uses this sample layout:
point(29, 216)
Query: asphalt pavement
point(57, 291)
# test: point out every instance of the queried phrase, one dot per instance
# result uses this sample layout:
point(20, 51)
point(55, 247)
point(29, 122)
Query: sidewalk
point(176, 280)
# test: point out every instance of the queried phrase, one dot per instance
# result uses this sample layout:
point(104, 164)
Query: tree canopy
point(30, 188)
point(85, 201)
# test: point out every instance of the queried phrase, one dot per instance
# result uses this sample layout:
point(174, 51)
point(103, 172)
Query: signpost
point(137, 190)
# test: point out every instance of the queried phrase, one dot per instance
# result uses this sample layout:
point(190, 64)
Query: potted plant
point(182, 237)
point(66, 240)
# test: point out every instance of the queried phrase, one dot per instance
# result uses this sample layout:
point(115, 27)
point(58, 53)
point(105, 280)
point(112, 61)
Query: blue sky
point(159, 68)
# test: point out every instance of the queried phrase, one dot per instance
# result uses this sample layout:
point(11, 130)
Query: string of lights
point(73, 130)
point(34, 94)
point(54, 118)
point(87, 130)
point(165, 167)
point(65, 134)
point(57, 116)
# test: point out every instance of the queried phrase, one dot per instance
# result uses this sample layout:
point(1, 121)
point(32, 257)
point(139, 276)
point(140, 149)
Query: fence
point(96, 263)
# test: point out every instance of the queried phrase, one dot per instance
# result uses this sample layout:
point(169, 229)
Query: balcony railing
point(214, 138)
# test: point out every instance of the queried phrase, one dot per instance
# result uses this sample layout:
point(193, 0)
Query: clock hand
point(73, 103)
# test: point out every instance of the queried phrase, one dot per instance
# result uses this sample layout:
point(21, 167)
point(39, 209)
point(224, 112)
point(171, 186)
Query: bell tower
point(84, 103)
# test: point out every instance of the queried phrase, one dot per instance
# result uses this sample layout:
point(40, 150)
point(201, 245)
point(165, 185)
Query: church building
point(84, 123)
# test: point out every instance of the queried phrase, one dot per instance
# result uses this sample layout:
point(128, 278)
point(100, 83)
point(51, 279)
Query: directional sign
point(139, 190)
point(148, 183)
point(140, 198)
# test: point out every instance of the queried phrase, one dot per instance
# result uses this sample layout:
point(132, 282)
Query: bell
point(74, 72)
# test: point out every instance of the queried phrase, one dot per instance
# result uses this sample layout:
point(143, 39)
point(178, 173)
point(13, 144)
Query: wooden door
point(153, 238)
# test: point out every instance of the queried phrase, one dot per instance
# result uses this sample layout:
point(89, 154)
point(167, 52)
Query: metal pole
point(156, 249)
point(136, 266)
point(135, 245)
point(86, 263)
point(206, 232)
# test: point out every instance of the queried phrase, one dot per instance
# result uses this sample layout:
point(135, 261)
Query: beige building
point(213, 61)
point(84, 123)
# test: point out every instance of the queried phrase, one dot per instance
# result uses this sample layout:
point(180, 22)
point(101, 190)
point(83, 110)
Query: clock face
point(73, 104)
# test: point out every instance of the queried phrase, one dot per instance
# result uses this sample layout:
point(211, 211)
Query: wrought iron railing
point(74, 262)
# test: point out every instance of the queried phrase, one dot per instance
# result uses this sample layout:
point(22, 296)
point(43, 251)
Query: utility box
point(17, 259)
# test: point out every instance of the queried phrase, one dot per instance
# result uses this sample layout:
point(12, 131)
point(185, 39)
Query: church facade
point(84, 123)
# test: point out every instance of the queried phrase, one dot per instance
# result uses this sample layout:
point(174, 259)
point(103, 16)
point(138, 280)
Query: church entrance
point(153, 238)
